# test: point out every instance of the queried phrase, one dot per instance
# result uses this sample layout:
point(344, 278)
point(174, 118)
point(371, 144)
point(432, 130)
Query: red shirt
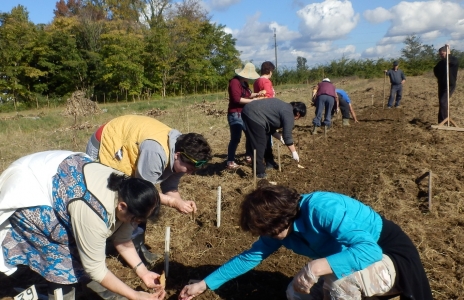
point(263, 83)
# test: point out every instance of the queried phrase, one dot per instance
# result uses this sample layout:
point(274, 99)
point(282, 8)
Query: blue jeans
point(396, 89)
point(236, 127)
point(324, 102)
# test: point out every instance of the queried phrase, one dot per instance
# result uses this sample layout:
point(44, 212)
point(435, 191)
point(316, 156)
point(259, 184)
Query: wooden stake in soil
point(278, 157)
point(218, 207)
point(430, 190)
point(167, 241)
point(372, 100)
point(254, 166)
point(384, 80)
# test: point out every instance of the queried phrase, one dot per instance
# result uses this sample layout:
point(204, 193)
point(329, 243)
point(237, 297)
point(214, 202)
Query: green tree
point(419, 58)
point(17, 39)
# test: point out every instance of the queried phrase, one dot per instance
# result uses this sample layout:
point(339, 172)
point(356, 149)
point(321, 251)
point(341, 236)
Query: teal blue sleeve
point(360, 249)
point(243, 262)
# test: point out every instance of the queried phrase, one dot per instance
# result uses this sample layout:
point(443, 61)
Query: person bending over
point(353, 251)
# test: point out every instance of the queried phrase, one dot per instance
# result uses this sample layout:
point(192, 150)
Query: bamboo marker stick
point(278, 157)
point(167, 241)
point(384, 80)
point(218, 207)
point(430, 190)
point(254, 166)
point(372, 100)
point(447, 82)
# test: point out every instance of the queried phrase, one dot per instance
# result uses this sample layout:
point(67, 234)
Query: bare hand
point(192, 290)
point(151, 280)
point(304, 280)
point(185, 207)
point(159, 294)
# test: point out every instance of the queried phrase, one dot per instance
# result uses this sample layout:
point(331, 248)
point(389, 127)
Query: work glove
point(295, 156)
point(304, 280)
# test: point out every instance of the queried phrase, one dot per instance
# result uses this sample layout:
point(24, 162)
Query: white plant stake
point(167, 240)
point(218, 210)
point(254, 166)
point(58, 293)
point(28, 294)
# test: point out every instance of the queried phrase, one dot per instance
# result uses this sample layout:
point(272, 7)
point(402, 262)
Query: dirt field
point(377, 161)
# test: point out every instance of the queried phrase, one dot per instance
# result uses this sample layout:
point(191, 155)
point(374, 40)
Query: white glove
point(295, 156)
point(304, 280)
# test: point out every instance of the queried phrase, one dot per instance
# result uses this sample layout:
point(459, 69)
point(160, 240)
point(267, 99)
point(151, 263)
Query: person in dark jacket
point(262, 119)
point(397, 79)
point(440, 72)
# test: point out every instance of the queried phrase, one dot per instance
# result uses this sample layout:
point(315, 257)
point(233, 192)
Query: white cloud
point(329, 20)
point(381, 51)
point(392, 40)
point(222, 5)
point(430, 36)
point(378, 15)
point(428, 19)
point(423, 17)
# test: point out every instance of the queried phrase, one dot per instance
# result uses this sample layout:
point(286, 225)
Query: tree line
point(114, 50)
point(130, 49)
point(416, 58)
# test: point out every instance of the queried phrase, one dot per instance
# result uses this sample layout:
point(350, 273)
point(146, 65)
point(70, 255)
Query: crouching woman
point(355, 253)
point(57, 209)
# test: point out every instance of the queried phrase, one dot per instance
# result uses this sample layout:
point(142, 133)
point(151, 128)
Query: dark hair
point(140, 195)
point(442, 49)
point(194, 145)
point(267, 67)
point(269, 210)
point(299, 107)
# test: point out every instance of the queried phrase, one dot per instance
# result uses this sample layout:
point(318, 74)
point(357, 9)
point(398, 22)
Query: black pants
point(344, 108)
point(443, 102)
point(259, 140)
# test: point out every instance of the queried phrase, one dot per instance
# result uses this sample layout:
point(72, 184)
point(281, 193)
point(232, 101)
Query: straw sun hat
point(248, 71)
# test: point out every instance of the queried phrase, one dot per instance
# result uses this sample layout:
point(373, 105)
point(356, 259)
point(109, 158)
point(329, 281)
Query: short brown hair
point(269, 210)
point(267, 67)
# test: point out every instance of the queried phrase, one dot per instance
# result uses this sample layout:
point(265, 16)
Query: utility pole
point(275, 47)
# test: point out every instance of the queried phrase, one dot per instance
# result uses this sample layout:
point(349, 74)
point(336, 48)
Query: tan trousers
point(376, 280)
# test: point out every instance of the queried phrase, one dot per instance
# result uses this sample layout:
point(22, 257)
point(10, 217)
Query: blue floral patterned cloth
point(42, 237)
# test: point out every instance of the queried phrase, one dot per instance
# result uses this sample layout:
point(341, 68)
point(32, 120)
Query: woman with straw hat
point(239, 95)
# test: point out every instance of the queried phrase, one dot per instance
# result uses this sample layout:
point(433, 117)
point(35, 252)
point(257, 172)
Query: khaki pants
point(376, 280)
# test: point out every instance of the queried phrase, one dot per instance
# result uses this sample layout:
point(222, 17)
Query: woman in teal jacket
point(354, 252)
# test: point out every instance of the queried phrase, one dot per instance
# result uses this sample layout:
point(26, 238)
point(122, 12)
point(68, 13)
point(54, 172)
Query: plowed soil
point(378, 161)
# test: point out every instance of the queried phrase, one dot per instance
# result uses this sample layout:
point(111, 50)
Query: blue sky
point(320, 31)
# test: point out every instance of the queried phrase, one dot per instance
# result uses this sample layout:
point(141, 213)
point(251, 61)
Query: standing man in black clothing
point(440, 72)
point(397, 79)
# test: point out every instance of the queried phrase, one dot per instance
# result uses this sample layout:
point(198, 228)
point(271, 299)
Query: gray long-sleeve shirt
point(396, 77)
point(272, 114)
